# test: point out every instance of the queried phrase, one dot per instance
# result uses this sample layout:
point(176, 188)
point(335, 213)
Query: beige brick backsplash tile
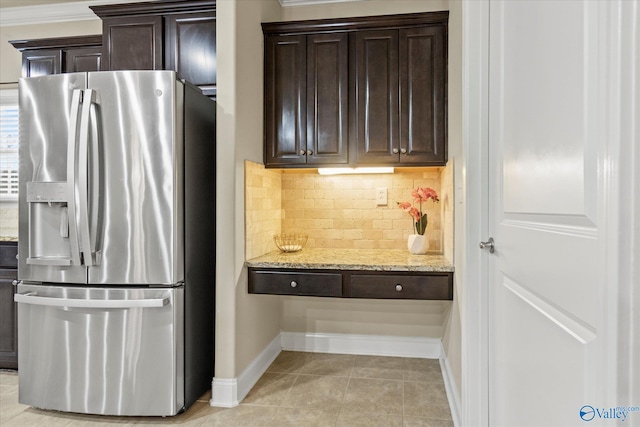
point(382, 224)
point(372, 234)
point(323, 204)
point(339, 211)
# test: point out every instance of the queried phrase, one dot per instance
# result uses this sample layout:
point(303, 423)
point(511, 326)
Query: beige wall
point(245, 324)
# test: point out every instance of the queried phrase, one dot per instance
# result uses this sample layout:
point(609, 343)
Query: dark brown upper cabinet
point(132, 43)
point(59, 55)
point(167, 35)
point(356, 91)
point(306, 84)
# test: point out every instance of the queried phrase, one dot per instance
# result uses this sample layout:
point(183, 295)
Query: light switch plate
point(381, 196)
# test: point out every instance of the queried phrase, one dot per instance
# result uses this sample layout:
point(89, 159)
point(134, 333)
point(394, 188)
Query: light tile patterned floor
point(299, 389)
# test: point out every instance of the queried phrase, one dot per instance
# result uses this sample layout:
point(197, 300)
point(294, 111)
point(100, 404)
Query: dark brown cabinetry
point(59, 55)
point(401, 96)
point(352, 284)
point(8, 310)
point(375, 91)
point(167, 35)
point(435, 286)
point(303, 283)
point(306, 87)
point(132, 43)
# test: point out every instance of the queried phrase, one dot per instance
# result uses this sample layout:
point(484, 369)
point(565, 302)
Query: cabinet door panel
point(83, 59)
point(422, 94)
point(132, 43)
point(327, 100)
point(41, 62)
point(295, 283)
point(191, 48)
point(386, 286)
point(8, 320)
point(377, 96)
point(285, 100)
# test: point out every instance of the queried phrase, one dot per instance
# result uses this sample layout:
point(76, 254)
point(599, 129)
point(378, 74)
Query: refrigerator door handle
point(94, 180)
point(32, 298)
point(82, 182)
point(71, 177)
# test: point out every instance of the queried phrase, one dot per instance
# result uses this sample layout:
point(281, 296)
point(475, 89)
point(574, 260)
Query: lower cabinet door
point(8, 320)
point(295, 283)
point(431, 287)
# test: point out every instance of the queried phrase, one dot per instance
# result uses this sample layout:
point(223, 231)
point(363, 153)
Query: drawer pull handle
point(294, 283)
point(398, 288)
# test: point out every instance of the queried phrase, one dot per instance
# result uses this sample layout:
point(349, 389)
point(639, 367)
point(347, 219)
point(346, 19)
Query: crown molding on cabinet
point(54, 12)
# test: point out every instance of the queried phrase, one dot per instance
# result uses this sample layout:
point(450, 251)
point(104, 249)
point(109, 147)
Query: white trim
point(224, 392)
point(453, 396)
point(55, 12)
point(287, 3)
point(475, 131)
point(372, 345)
point(229, 392)
point(619, 207)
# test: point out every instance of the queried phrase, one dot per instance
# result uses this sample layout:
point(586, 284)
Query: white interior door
point(547, 351)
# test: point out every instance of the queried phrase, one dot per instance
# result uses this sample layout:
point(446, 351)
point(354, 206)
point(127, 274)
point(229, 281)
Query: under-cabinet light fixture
point(345, 171)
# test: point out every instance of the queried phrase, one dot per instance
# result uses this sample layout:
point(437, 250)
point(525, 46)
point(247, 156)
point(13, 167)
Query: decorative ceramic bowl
point(290, 242)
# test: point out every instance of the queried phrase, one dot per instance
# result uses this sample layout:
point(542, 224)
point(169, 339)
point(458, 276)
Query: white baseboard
point(450, 386)
point(229, 392)
point(373, 345)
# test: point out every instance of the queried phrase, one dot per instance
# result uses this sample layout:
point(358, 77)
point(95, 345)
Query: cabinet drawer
point(432, 287)
point(295, 283)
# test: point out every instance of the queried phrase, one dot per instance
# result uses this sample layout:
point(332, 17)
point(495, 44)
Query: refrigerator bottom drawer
point(101, 351)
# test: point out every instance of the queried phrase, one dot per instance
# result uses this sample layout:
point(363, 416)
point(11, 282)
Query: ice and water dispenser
point(48, 223)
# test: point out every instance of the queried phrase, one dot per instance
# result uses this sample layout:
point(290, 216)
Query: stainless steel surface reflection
point(141, 178)
point(111, 361)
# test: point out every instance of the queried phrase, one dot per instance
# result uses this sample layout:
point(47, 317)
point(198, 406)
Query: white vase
point(418, 244)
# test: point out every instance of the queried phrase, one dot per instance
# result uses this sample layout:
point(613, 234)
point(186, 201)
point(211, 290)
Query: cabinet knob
point(395, 151)
point(302, 152)
point(398, 287)
point(294, 283)
point(403, 150)
point(309, 152)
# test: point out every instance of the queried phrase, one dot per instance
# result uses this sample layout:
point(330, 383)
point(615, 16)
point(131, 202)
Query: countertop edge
point(353, 260)
point(355, 267)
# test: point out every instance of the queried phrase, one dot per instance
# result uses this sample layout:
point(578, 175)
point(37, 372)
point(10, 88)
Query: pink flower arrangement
point(420, 219)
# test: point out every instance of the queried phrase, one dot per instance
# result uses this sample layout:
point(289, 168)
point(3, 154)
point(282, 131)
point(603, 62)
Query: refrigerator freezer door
point(49, 122)
point(110, 351)
point(140, 225)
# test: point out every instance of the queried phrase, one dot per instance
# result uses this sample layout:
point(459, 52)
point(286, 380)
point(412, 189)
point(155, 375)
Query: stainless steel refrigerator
point(116, 243)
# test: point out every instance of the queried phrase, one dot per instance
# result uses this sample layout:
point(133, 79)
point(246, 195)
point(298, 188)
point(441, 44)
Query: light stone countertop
point(353, 259)
point(8, 238)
